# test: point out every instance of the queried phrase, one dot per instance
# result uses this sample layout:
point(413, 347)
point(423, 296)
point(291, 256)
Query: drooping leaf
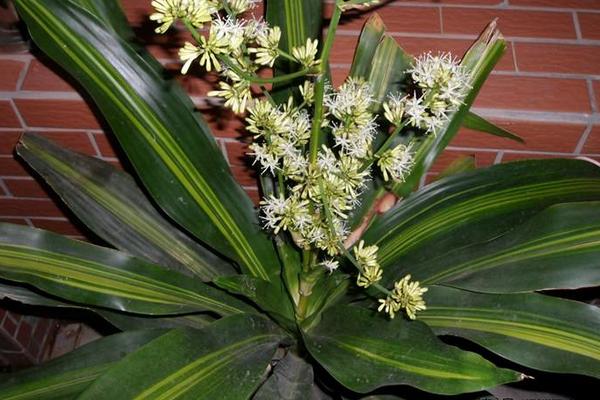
point(370, 37)
point(535, 330)
point(67, 376)
point(559, 248)
point(120, 320)
point(292, 379)
point(479, 60)
point(108, 202)
point(475, 122)
point(364, 351)
point(225, 360)
point(476, 206)
point(89, 274)
point(171, 149)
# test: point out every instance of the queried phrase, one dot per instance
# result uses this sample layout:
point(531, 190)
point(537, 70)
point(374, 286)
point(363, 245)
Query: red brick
point(11, 167)
point(223, 123)
point(511, 22)
point(8, 18)
point(590, 25)
point(540, 94)
point(596, 87)
point(591, 4)
point(245, 176)
point(569, 59)
point(8, 118)
point(8, 141)
point(14, 220)
point(9, 74)
point(57, 226)
point(592, 145)
point(27, 208)
point(482, 159)
point(8, 344)
point(57, 114)
point(538, 136)
point(42, 78)
point(254, 195)
point(106, 147)
point(24, 334)
point(76, 141)
point(343, 49)
point(396, 19)
point(9, 326)
point(25, 188)
point(236, 153)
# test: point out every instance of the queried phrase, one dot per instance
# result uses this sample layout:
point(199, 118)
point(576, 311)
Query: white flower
point(409, 296)
point(232, 31)
point(394, 108)
point(416, 111)
point(237, 95)
point(265, 157)
point(306, 53)
point(268, 43)
point(330, 265)
point(352, 101)
point(188, 53)
point(197, 12)
point(396, 163)
point(241, 6)
point(307, 90)
point(284, 213)
point(211, 48)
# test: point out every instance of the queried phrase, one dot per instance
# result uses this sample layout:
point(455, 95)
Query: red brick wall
point(546, 88)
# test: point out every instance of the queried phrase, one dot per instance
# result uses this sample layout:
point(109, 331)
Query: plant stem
point(320, 85)
point(256, 79)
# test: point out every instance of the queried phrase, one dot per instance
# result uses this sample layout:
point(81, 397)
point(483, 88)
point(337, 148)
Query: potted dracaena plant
point(325, 291)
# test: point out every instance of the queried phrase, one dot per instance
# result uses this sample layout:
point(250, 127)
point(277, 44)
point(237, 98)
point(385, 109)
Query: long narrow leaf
point(108, 202)
point(476, 206)
point(537, 331)
point(98, 276)
point(364, 351)
point(67, 376)
point(226, 360)
point(475, 122)
point(171, 149)
point(557, 249)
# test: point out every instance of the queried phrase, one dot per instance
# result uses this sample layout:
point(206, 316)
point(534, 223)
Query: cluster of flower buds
point(317, 188)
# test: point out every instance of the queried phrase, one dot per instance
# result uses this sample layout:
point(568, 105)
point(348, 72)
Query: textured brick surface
point(548, 71)
point(10, 71)
point(511, 22)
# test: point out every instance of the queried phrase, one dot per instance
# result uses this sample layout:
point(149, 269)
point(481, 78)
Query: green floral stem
point(320, 85)
point(197, 37)
point(256, 79)
point(287, 55)
point(341, 247)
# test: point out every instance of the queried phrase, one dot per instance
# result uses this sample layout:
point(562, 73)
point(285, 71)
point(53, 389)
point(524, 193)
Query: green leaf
point(67, 376)
point(461, 164)
point(534, 330)
point(370, 37)
point(364, 351)
point(292, 379)
point(88, 274)
point(108, 202)
point(271, 296)
point(479, 60)
point(122, 321)
point(171, 149)
point(225, 360)
point(559, 248)
point(298, 20)
point(475, 207)
point(475, 122)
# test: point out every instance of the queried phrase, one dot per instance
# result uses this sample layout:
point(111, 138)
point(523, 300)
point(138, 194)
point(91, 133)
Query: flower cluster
point(441, 85)
point(316, 197)
point(319, 156)
point(407, 296)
